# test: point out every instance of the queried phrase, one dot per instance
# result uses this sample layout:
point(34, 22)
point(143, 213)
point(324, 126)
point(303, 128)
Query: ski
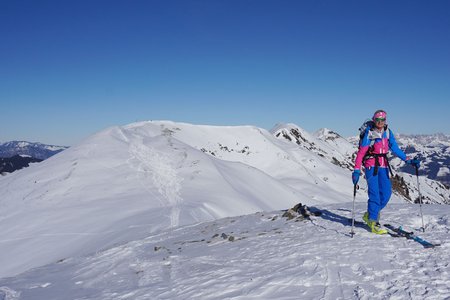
point(410, 235)
point(392, 231)
point(362, 224)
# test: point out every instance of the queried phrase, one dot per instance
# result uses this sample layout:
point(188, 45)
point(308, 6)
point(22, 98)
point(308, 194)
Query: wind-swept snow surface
point(258, 256)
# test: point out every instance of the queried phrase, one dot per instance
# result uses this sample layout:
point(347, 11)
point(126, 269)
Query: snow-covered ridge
point(324, 143)
point(127, 182)
point(132, 180)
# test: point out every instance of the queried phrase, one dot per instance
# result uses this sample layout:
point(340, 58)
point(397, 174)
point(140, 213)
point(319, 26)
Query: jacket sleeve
point(362, 150)
point(394, 146)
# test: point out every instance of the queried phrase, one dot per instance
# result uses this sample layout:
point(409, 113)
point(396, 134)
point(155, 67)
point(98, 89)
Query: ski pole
point(352, 233)
point(420, 197)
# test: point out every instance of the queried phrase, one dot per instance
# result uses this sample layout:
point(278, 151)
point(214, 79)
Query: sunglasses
point(380, 119)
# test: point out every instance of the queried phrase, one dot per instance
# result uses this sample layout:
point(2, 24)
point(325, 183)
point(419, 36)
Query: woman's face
point(379, 122)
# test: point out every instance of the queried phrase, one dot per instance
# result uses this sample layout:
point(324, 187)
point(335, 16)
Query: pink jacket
point(380, 142)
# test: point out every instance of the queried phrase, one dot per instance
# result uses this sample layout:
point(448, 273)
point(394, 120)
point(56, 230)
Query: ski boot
point(374, 226)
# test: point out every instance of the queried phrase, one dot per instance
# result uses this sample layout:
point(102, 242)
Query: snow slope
point(125, 182)
point(258, 256)
point(151, 180)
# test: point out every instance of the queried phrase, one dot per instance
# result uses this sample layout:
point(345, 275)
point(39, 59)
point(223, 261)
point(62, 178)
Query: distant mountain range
point(434, 152)
point(16, 155)
point(36, 150)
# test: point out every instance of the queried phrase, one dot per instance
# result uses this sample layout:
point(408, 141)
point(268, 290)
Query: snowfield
point(164, 210)
point(258, 256)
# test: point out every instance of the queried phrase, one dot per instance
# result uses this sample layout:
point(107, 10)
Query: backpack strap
point(370, 153)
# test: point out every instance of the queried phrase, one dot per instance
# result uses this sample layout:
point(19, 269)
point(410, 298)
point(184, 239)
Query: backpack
point(367, 125)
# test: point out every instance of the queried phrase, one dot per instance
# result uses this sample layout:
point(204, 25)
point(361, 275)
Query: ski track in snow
point(163, 174)
point(260, 256)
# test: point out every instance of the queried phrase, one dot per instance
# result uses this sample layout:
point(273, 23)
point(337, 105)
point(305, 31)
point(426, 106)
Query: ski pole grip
point(417, 171)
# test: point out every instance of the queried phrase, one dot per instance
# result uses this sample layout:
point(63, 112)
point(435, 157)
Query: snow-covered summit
point(293, 133)
point(324, 143)
point(325, 133)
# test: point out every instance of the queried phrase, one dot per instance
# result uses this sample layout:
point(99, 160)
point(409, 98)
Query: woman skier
point(372, 152)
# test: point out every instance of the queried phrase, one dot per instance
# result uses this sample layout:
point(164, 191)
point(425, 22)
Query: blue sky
point(71, 68)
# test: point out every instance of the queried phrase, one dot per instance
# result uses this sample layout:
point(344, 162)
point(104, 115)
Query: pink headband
point(379, 114)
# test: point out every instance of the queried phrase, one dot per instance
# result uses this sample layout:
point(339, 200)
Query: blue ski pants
point(380, 191)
